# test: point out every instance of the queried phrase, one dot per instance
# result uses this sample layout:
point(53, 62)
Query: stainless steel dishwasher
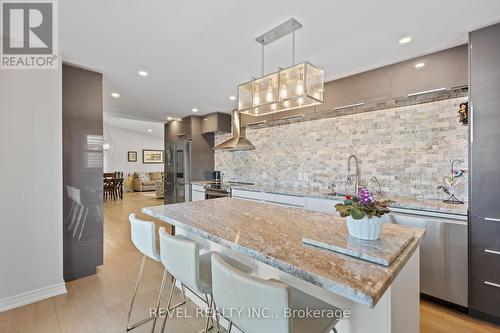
point(443, 256)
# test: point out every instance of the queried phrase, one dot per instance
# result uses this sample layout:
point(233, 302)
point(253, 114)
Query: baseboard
point(442, 302)
point(32, 296)
point(484, 316)
point(80, 274)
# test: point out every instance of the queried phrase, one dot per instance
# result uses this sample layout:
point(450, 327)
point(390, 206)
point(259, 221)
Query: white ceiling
point(137, 126)
point(197, 52)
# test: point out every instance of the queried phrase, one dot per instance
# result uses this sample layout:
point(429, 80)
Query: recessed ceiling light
point(233, 98)
point(169, 118)
point(420, 65)
point(150, 130)
point(405, 40)
point(115, 95)
point(142, 73)
point(194, 109)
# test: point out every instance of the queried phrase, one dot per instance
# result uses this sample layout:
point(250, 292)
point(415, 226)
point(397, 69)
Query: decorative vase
point(366, 228)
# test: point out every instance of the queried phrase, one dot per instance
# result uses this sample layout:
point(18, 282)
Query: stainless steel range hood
point(238, 140)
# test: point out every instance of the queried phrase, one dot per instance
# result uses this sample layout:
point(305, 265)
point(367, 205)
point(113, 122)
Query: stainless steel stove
point(221, 189)
point(217, 190)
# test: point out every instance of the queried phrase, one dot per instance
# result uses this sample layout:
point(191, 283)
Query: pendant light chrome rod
point(262, 59)
point(278, 32)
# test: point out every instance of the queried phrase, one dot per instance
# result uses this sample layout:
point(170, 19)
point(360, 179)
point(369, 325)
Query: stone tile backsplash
point(409, 149)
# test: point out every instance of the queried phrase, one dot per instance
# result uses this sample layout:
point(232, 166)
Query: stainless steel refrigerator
point(177, 172)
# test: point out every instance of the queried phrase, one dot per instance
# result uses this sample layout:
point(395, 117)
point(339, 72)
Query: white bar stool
point(192, 269)
point(144, 238)
point(233, 289)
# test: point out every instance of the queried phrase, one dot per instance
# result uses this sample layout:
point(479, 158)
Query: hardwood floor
point(99, 303)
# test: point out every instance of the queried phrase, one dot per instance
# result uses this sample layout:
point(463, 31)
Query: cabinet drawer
point(246, 194)
point(288, 200)
point(485, 264)
point(485, 297)
point(485, 233)
point(197, 195)
point(196, 187)
point(321, 205)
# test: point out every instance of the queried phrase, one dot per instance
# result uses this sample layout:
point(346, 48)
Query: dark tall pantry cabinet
point(484, 198)
point(82, 171)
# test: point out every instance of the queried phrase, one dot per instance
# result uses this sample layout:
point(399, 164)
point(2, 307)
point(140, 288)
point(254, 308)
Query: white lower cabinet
point(197, 192)
point(285, 200)
point(321, 205)
point(313, 204)
point(249, 195)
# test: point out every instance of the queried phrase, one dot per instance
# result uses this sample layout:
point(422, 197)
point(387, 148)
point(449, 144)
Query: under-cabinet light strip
point(256, 123)
point(293, 116)
point(426, 92)
point(348, 106)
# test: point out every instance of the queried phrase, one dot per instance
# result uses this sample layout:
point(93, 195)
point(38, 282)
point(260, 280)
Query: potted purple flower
point(363, 214)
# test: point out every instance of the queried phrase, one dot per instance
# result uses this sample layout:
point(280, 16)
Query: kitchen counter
point(412, 203)
point(273, 235)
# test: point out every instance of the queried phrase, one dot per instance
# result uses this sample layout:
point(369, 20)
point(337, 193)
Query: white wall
point(125, 140)
point(31, 249)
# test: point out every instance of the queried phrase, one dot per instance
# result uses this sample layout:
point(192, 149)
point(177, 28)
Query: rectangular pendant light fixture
point(298, 86)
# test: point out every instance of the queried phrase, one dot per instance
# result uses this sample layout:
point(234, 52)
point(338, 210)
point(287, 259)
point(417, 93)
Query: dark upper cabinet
point(191, 129)
point(371, 86)
point(485, 122)
point(175, 129)
point(216, 123)
point(444, 69)
point(365, 87)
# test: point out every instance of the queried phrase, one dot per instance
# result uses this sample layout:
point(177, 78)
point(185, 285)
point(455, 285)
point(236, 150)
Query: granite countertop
point(273, 235)
point(413, 203)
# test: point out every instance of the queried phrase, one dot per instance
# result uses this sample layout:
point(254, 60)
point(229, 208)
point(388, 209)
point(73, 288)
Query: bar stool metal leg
point(215, 312)
point(209, 314)
point(168, 307)
point(139, 277)
point(163, 279)
point(209, 321)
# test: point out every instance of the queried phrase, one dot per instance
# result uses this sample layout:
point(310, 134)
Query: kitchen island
point(269, 238)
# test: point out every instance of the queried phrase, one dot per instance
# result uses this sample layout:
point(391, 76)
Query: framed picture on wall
point(132, 156)
point(150, 156)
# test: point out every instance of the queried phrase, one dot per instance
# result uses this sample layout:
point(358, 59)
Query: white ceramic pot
point(366, 228)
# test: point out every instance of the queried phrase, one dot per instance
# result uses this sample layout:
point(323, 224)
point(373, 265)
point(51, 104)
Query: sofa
point(145, 181)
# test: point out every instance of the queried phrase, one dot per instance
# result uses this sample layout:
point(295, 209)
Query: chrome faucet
point(357, 175)
point(378, 193)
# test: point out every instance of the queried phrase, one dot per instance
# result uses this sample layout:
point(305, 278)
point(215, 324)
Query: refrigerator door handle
point(471, 116)
point(492, 252)
point(492, 284)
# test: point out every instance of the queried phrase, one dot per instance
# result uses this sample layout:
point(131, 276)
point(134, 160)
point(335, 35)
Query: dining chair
point(109, 185)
